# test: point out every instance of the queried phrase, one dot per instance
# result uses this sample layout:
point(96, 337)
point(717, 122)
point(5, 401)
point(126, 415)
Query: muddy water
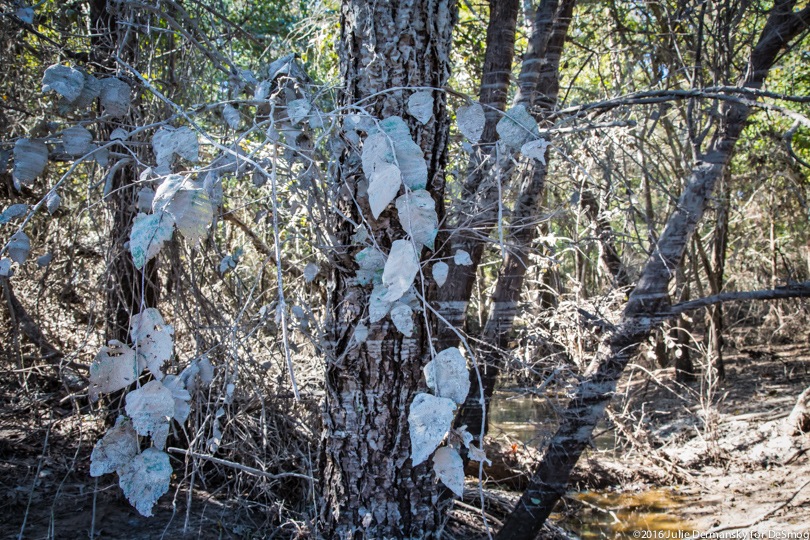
point(603, 514)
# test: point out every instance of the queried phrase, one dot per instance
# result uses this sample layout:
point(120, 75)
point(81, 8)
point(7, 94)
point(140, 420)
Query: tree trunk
point(550, 478)
point(539, 85)
point(369, 488)
point(128, 289)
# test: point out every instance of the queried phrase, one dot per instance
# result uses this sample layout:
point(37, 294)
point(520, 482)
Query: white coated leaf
point(227, 264)
point(26, 15)
point(360, 333)
point(311, 272)
point(383, 186)
point(471, 120)
point(64, 80)
point(478, 454)
point(168, 142)
point(535, 149)
point(440, 270)
point(231, 116)
point(119, 134)
point(18, 247)
point(146, 197)
point(402, 316)
point(115, 97)
point(447, 375)
point(429, 420)
point(420, 105)
point(149, 232)
point(378, 306)
point(150, 407)
point(371, 262)
point(298, 109)
point(193, 212)
point(153, 341)
point(52, 202)
point(400, 269)
point(30, 158)
point(90, 91)
point(44, 260)
point(462, 258)
point(390, 142)
point(449, 468)
point(13, 212)
point(182, 407)
point(117, 448)
point(114, 368)
point(206, 371)
point(77, 141)
point(145, 479)
point(517, 127)
point(5, 267)
point(417, 215)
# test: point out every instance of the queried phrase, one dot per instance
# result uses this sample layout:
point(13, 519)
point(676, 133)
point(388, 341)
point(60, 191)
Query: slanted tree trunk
point(538, 89)
point(550, 478)
point(369, 488)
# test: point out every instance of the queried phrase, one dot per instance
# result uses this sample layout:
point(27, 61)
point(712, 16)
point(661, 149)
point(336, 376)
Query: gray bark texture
point(550, 478)
point(369, 488)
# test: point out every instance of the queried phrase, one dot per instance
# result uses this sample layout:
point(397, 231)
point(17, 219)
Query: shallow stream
point(605, 514)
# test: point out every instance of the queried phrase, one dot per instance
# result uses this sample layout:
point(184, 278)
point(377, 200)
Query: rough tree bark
point(550, 478)
point(128, 289)
point(368, 485)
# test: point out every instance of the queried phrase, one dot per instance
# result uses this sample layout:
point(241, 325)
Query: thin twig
point(239, 466)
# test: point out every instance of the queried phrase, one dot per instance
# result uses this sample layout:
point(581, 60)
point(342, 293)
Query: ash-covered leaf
point(77, 141)
point(117, 448)
point(231, 116)
point(30, 158)
point(417, 215)
point(462, 258)
point(471, 120)
point(168, 142)
point(400, 269)
point(440, 270)
point(517, 127)
point(371, 262)
point(311, 272)
point(536, 149)
point(390, 142)
point(115, 97)
point(13, 212)
point(153, 340)
point(360, 333)
point(64, 80)
point(402, 316)
point(182, 407)
point(150, 407)
point(378, 306)
point(298, 109)
point(420, 105)
point(25, 14)
point(19, 246)
point(429, 420)
point(114, 368)
point(52, 202)
point(447, 375)
point(90, 91)
point(5, 267)
point(44, 260)
point(149, 233)
point(146, 197)
point(478, 454)
point(145, 479)
point(383, 186)
point(449, 468)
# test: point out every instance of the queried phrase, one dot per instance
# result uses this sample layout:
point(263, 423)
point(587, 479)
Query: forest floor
point(677, 466)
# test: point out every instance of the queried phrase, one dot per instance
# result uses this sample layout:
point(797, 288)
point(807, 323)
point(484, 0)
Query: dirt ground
point(728, 468)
